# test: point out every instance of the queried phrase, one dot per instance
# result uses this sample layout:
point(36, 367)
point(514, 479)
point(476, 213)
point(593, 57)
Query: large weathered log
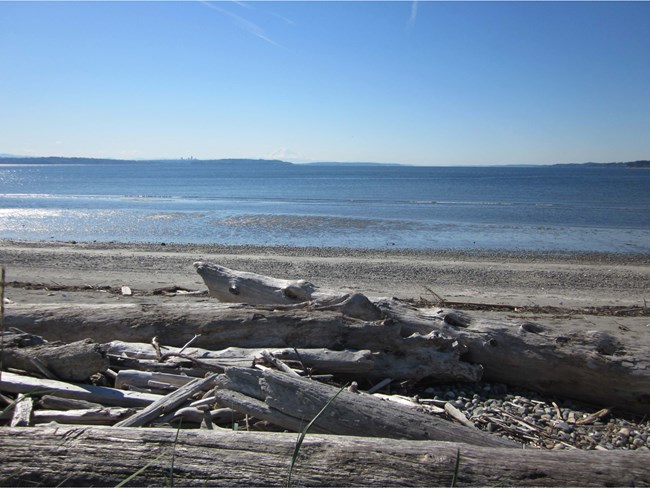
point(229, 285)
point(102, 456)
point(76, 361)
point(318, 360)
point(397, 356)
point(588, 365)
point(301, 399)
point(15, 383)
point(543, 357)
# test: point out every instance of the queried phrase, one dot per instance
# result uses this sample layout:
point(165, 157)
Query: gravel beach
point(513, 278)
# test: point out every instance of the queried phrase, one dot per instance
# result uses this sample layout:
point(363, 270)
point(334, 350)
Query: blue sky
point(428, 83)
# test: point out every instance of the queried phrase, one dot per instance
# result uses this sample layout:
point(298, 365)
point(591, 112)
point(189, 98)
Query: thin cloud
point(414, 15)
point(284, 153)
point(247, 6)
point(281, 17)
point(242, 23)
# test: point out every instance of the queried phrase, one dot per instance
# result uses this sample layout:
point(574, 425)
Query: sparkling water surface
point(516, 208)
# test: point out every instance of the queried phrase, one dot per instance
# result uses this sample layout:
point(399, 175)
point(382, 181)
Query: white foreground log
point(105, 456)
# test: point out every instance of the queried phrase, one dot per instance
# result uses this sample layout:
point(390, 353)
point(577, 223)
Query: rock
point(563, 426)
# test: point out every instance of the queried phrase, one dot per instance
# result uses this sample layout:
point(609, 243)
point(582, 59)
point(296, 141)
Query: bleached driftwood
point(242, 287)
point(573, 362)
point(129, 378)
point(87, 416)
point(396, 355)
point(317, 360)
point(101, 456)
point(76, 361)
point(292, 402)
point(15, 383)
point(51, 402)
point(22, 411)
point(436, 344)
point(167, 403)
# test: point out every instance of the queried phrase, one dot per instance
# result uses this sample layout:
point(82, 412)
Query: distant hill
point(62, 160)
point(354, 164)
point(5, 155)
point(628, 164)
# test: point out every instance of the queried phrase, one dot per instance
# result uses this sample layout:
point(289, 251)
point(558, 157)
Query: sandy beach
point(563, 280)
point(608, 292)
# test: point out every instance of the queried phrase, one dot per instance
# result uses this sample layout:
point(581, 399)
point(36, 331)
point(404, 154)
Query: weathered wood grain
point(16, 383)
point(102, 456)
point(300, 400)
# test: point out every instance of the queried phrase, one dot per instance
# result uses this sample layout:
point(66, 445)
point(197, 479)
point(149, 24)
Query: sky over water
point(426, 83)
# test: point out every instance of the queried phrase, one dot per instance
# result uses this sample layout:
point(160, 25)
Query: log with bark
point(100, 456)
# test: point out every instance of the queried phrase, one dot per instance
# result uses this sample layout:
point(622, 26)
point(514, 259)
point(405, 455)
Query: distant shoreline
point(26, 160)
point(539, 256)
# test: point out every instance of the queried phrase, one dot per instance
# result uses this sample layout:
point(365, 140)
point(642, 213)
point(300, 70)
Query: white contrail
point(414, 14)
point(242, 23)
point(268, 12)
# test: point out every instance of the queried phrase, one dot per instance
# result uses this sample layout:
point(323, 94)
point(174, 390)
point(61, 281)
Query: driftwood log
point(574, 363)
point(168, 403)
point(242, 287)
point(15, 383)
point(99, 456)
point(291, 402)
point(76, 361)
point(220, 326)
point(438, 345)
point(86, 416)
point(317, 360)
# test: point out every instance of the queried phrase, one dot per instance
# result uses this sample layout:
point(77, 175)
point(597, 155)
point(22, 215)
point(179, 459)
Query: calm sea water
point(515, 208)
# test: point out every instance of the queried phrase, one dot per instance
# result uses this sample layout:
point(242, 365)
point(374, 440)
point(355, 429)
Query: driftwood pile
point(235, 378)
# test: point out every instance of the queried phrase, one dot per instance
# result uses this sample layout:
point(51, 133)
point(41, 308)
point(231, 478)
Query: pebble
point(484, 401)
point(563, 426)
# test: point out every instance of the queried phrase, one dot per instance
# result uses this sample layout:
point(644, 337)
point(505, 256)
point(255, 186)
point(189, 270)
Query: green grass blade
point(302, 435)
point(171, 469)
point(137, 473)
point(454, 479)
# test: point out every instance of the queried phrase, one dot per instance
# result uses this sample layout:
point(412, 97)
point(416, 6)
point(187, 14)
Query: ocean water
point(514, 208)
